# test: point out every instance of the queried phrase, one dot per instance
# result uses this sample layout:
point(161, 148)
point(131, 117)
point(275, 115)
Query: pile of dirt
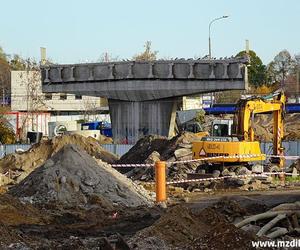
point(182, 228)
point(224, 236)
point(13, 212)
point(72, 176)
point(152, 148)
point(25, 162)
point(9, 236)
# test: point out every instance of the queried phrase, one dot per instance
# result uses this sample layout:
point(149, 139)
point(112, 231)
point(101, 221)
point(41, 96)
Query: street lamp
point(209, 42)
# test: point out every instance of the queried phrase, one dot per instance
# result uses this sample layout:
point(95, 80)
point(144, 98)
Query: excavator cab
point(222, 127)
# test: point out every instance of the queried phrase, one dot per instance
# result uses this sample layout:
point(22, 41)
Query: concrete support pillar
point(133, 120)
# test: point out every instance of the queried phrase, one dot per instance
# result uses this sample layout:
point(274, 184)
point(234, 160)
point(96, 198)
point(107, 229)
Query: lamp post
point(209, 28)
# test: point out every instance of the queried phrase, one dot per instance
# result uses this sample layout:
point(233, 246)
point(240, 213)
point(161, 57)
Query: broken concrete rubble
point(23, 164)
point(72, 176)
point(151, 149)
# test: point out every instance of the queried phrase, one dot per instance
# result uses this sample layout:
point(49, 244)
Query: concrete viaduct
point(143, 96)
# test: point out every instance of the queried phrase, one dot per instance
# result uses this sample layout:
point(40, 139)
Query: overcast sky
point(75, 31)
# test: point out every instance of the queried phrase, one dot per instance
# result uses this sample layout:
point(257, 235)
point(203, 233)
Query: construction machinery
point(194, 127)
point(233, 142)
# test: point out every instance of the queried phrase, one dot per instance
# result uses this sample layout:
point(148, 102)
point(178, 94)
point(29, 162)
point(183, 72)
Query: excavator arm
point(258, 105)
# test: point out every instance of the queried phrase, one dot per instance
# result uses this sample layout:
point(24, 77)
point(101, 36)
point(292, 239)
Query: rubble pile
point(182, 228)
point(24, 163)
point(13, 212)
point(152, 148)
point(72, 176)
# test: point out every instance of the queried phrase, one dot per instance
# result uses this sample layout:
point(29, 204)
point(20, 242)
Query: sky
point(76, 31)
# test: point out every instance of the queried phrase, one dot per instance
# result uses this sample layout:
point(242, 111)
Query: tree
point(34, 100)
point(17, 63)
point(147, 55)
point(7, 135)
point(107, 57)
point(200, 116)
point(282, 66)
point(257, 71)
point(3, 56)
point(4, 78)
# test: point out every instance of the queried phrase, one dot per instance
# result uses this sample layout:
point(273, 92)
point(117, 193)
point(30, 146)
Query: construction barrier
point(161, 180)
point(160, 172)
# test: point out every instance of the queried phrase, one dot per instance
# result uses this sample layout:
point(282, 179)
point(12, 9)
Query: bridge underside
point(143, 96)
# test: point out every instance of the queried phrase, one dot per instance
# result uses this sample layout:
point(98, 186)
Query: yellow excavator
point(241, 140)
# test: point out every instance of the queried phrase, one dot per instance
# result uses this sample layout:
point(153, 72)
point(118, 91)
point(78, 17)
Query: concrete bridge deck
point(143, 96)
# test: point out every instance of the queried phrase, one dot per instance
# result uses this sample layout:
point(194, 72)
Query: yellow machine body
point(204, 149)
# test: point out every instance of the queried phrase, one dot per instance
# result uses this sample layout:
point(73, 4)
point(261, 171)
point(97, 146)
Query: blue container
point(104, 127)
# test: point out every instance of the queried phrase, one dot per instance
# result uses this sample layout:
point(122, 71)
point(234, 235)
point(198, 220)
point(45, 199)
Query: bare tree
point(4, 79)
point(108, 57)
point(91, 109)
point(282, 66)
point(147, 54)
point(34, 99)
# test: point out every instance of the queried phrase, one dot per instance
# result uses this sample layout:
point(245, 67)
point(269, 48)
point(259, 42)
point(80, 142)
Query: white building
point(27, 96)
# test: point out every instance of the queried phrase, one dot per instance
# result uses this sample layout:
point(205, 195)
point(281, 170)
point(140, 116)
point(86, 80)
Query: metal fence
point(11, 148)
point(291, 148)
point(119, 149)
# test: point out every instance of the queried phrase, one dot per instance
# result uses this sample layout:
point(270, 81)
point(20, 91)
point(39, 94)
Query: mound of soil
point(178, 227)
point(13, 212)
point(9, 236)
point(24, 163)
point(224, 236)
point(184, 228)
point(72, 176)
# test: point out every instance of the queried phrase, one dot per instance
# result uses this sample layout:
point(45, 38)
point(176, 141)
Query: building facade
point(26, 95)
point(32, 110)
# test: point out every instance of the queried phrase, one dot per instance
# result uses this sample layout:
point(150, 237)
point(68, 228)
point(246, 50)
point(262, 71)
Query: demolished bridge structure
point(143, 96)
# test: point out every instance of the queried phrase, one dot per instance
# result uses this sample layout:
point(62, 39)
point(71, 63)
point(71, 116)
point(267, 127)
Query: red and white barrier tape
point(287, 157)
point(236, 156)
point(207, 159)
point(131, 165)
point(265, 174)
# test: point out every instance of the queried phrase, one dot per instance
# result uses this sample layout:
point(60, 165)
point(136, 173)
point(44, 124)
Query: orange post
point(160, 181)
